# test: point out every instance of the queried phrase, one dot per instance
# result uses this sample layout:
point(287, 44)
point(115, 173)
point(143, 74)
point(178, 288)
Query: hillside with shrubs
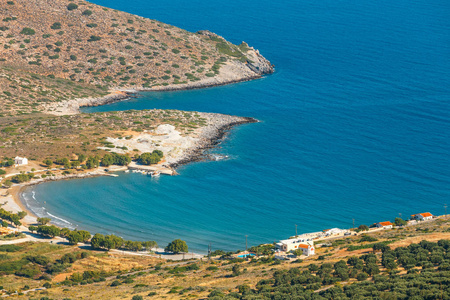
point(58, 50)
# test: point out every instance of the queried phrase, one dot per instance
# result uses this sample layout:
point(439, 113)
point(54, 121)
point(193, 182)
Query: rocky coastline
point(211, 136)
point(231, 72)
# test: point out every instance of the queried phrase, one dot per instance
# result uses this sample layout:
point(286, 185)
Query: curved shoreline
point(211, 139)
point(18, 190)
point(73, 106)
point(198, 154)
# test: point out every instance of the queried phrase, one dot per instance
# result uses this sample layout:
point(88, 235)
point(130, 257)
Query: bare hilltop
point(57, 50)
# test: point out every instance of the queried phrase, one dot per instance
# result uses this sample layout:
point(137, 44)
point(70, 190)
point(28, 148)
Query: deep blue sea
point(355, 124)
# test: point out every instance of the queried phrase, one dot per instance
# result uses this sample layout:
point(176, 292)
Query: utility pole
point(353, 223)
point(209, 252)
point(445, 208)
point(296, 230)
point(246, 243)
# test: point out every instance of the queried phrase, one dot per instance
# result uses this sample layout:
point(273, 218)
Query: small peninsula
point(58, 56)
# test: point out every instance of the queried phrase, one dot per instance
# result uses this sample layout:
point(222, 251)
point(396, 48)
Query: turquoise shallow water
point(354, 124)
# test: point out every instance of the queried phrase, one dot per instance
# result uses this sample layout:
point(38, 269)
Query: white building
point(307, 249)
point(422, 217)
point(334, 231)
point(385, 225)
point(293, 244)
point(20, 161)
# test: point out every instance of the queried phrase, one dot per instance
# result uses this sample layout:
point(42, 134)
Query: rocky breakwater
point(210, 136)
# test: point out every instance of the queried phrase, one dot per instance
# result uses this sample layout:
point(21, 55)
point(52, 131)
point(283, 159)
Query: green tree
point(363, 227)
point(92, 162)
point(62, 161)
point(50, 231)
point(81, 157)
point(400, 222)
point(149, 245)
point(133, 246)
point(150, 158)
point(43, 221)
point(32, 228)
point(22, 214)
point(15, 219)
point(362, 276)
point(20, 178)
point(236, 270)
point(48, 163)
point(177, 246)
point(85, 235)
point(112, 242)
point(107, 160)
point(97, 241)
point(73, 237)
point(64, 232)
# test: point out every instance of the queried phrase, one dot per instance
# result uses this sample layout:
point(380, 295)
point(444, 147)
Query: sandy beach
point(179, 150)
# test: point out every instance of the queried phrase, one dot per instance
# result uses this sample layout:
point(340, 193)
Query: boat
point(155, 173)
point(127, 171)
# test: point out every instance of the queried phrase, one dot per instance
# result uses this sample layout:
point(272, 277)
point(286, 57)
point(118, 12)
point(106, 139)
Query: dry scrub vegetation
point(153, 278)
point(86, 44)
point(58, 55)
point(55, 137)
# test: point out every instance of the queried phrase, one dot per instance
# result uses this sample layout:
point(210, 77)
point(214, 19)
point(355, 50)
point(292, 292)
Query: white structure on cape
point(20, 161)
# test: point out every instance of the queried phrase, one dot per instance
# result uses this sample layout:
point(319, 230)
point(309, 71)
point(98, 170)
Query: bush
point(56, 268)
point(72, 6)
point(363, 227)
point(22, 178)
point(56, 25)
point(87, 12)
point(28, 31)
point(368, 238)
point(38, 259)
point(10, 248)
point(28, 271)
point(362, 276)
point(115, 283)
point(94, 38)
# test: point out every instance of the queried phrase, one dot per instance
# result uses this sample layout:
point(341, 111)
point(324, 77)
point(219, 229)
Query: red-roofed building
point(422, 216)
point(385, 225)
point(290, 245)
point(307, 249)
